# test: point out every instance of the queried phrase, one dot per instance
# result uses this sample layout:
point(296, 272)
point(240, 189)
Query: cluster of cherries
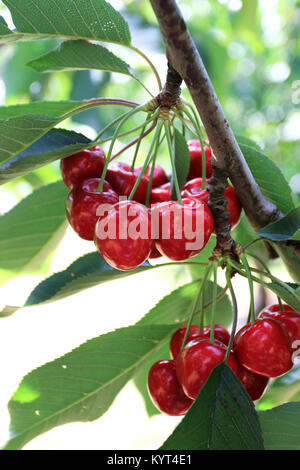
point(82, 171)
point(261, 350)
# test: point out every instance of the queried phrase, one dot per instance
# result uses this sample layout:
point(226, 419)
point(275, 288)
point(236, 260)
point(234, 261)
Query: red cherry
point(165, 390)
point(82, 165)
point(82, 204)
point(196, 361)
point(122, 180)
point(155, 253)
point(288, 318)
point(254, 384)
point(122, 236)
point(220, 333)
point(159, 175)
point(264, 347)
point(182, 230)
point(193, 189)
point(160, 193)
point(196, 159)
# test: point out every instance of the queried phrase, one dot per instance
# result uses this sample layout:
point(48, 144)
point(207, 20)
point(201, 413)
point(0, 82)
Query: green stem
point(153, 68)
point(196, 125)
point(152, 168)
point(147, 159)
point(235, 311)
point(143, 125)
point(139, 142)
point(214, 302)
point(250, 282)
point(99, 102)
point(115, 136)
point(178, 115)
point(171, 152)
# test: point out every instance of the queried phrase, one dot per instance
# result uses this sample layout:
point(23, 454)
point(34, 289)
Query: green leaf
point(283, 389)
point(242, 140)
point(74, 19)
point(80, 55)
point(288, 292)
point(221, 418)
point(269, 178)
point(281, 427)
point(81, 385)
point(291, 261)
point(22, 125)
point(284, 228)
point(182, 157)
point(31, 229)
point(87, 271)
point(56, 144)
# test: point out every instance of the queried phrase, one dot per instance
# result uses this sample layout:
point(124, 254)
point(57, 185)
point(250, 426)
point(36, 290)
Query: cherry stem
point(235, 311)
point(154, 70)
point(134, 141)
point(116, 133)
point(87, 104)
point(184, 123)
point(147, 159)
point(122, 134)
point(214, 301)
point(195, 121)
point(268, 271)
point(250, 282)
point(139, 141)
point(157, 143)
point(195, 304)
point(172, 156)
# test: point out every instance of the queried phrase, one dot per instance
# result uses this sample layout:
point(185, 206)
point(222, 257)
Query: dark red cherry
point(122, 180)
point(159, 175)
point(82, 205)
point(194, 189)
point(264, 348)
point(254, 384)
point(160, 193)
point(155, 253)
point(220, 333)
point(196, 361)
point(82, 166)
point(287, 317)
point(123, 236)
point(165, 390)
point(182, 230)
point(196, 159)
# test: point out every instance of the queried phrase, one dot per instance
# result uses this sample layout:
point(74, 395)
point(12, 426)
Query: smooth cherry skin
point(159, 175)
point(254, 384)
point(264, 348)
point(160, 193)
point(288, 318)
point(179, 226)
point(155, 253)
point(193, 189)
point(122, 236)
point(165, 390)
point(82, 166)
point(220, 333)
point(83, 202)
point(196, 361)
point(122, 180)
point(196, 159)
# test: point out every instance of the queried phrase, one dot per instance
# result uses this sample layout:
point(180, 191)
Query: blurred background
point(251, 49)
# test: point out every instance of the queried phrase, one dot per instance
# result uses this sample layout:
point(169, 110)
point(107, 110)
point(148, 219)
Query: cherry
point(196, 361)
point(196, 159)
point(193, 189)
point(159, 175)
point(254, 384)
point(287, 317)
point(122, 236)
point(264, 347)
point(82, 204)
point(155, 253)
point(122, 180)
point(160, 193)
point(82, 165)
point(165, 390)
point(182, 230)
point(220, 333)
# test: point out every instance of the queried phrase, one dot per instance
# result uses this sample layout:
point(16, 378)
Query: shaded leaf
point(281, 427)
point(282, 229)
point(182, 157)
point(283, 389)
point(221, 418)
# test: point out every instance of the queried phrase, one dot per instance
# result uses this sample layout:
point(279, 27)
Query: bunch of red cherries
point(262, 349)
point(82, 171)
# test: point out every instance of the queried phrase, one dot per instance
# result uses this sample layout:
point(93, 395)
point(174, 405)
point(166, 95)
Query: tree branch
point(185, 58)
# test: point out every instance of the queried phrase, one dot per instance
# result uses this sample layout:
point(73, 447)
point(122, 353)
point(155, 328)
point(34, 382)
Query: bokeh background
point(251, 49)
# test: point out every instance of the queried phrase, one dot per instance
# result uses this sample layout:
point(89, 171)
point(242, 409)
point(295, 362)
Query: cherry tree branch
point(185, 59)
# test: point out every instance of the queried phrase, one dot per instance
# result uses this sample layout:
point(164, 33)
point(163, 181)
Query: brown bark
point(184, 57)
